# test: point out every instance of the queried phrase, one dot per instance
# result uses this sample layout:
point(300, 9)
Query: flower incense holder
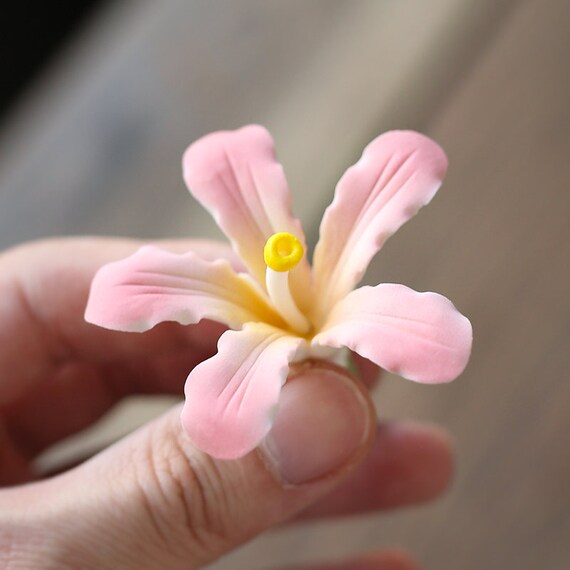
point(279, 309)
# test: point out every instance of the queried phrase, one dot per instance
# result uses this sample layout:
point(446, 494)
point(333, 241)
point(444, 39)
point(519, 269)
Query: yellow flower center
point(282, 252)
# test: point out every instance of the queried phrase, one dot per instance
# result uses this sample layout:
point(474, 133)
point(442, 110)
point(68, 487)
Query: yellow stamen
point(282, 252)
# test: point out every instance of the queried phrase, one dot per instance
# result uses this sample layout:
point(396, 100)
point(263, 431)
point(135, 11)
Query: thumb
point(155, 501)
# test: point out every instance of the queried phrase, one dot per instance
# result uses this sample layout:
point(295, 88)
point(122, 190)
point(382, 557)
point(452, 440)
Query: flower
point(280, 310)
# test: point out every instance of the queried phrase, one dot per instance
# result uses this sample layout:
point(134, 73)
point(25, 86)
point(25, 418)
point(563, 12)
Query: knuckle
point(185, 497)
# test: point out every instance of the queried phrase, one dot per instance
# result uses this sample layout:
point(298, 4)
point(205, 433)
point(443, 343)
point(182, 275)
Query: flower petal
point(398, 173)
point(236, 177)
point(153, 285)
point(420, 336)
point(231, 399)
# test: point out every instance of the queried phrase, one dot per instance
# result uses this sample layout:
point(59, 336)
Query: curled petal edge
point(236, 177)
point(152, 286)
point(420, 336)
point(232, 398)
point(398, 173)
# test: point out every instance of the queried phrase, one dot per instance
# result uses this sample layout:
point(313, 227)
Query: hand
point(152, 500)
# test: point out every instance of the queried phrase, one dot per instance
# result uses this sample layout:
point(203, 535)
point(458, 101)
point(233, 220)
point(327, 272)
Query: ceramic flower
point(278, 309)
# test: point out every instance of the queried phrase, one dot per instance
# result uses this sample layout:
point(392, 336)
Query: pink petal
point(420, 336)
point(398, 173)
point(231, 399)
point(236, 177)
point(152, 286)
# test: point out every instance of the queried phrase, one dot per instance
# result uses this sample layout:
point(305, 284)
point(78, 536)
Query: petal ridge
point(420, 336)
point(153, 285)
point(236, 177)
point(397, 174)
point(231, 398)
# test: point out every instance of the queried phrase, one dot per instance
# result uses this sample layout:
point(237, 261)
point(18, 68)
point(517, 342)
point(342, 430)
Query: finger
point(154, 500)
point(43, 293)
point(366, 370)
point(385, 560)
point(15, 465)
point(409, 463)
point(79, 393)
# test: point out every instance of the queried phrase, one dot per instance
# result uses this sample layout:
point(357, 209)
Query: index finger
point(43, 292)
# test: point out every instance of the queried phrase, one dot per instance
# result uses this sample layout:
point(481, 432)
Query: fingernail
point(322, 422)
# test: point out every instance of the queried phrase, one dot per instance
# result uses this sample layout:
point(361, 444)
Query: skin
point(153, 500)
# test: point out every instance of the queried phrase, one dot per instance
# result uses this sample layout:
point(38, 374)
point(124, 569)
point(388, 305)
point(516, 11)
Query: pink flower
point(288, 311)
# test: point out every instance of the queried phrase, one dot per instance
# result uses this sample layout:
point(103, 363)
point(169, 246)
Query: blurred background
point(98, 104)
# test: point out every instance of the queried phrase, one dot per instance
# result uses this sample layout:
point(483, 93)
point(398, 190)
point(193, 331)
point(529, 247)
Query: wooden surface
point(490, 82)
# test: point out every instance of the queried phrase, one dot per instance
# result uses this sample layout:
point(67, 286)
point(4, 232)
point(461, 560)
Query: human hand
point(152, 500)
